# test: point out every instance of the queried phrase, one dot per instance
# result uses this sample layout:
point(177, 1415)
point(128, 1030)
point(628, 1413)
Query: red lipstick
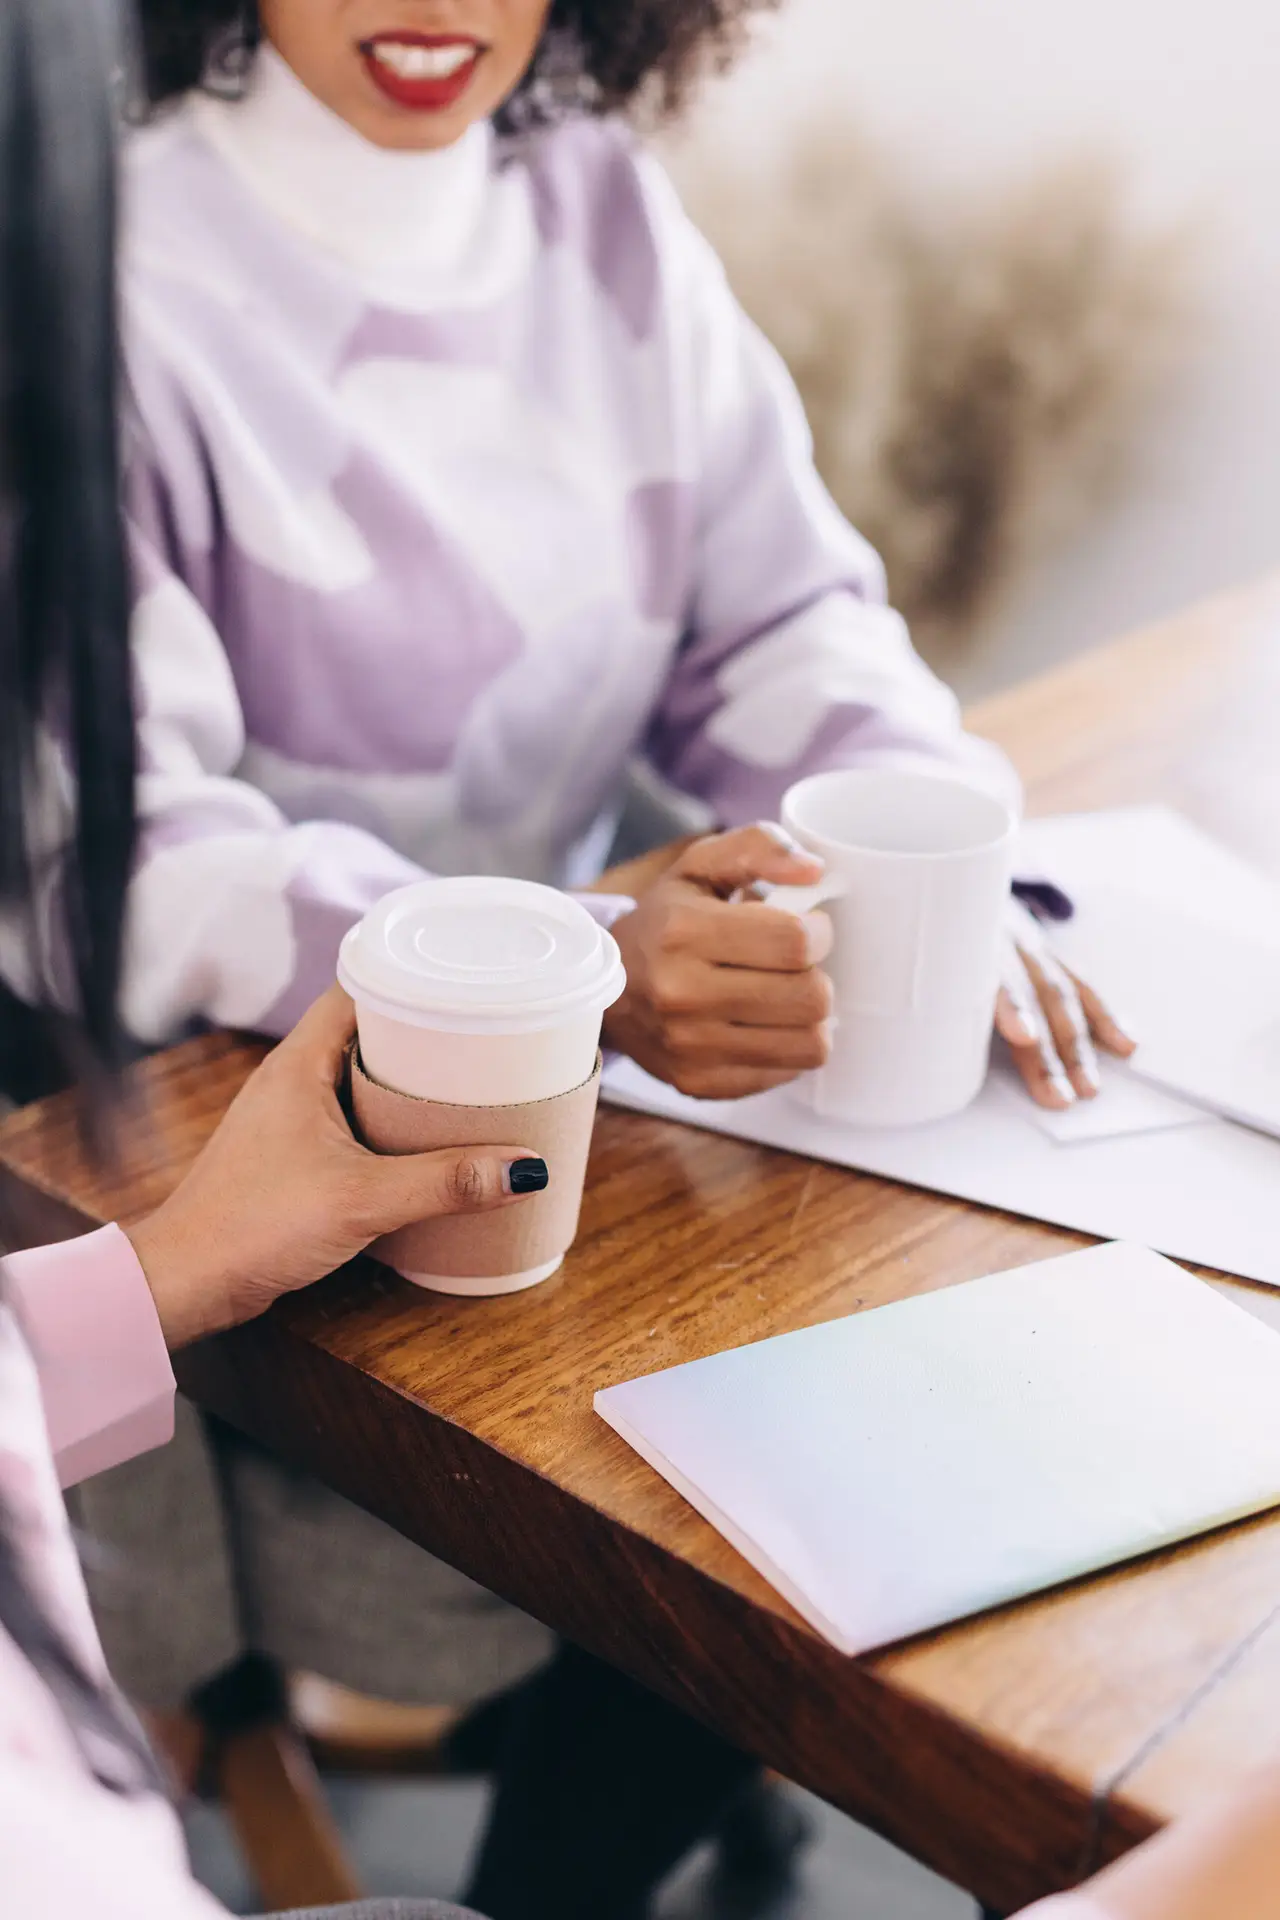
point(425, 72)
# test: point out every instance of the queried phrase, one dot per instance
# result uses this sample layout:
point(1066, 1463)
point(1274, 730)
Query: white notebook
point(917, 1463)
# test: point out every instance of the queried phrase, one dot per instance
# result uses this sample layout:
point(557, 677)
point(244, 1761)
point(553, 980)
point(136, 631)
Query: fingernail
point(527, 1176)
point(1087, 1065)
point(820, 935)
point(787, 841)
point(1063, 1088)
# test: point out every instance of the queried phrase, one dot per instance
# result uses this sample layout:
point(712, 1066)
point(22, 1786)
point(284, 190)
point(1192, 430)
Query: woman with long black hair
point(283, 1193)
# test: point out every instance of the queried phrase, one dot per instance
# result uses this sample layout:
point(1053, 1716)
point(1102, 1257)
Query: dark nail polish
point(528, 1176)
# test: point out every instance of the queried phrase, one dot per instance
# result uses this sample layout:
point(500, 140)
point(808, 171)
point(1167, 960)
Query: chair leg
point(277, 1807)
point(180, 1740)
point(267, 1782)
point(761, 1837)
point(354, 1733)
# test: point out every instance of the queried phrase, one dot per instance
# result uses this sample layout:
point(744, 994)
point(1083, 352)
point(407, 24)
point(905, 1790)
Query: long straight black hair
point(66, 710)
point(64, 664)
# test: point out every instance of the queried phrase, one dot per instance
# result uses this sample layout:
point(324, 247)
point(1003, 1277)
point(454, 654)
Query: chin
point(404, 130)
point(427, 139)
point(412, 133)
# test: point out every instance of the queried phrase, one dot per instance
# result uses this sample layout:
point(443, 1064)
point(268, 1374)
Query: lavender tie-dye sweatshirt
point(457, 481)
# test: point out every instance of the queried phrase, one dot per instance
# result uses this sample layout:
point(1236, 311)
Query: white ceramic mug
point(917, 886)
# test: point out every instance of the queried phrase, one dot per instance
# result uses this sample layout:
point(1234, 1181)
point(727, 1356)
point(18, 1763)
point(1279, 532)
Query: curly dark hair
point(596, 56)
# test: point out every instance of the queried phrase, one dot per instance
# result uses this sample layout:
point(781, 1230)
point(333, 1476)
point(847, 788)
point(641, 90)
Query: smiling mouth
point(423, 72)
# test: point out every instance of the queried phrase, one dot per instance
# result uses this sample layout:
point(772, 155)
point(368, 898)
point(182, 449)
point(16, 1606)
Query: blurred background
point(1026, 266)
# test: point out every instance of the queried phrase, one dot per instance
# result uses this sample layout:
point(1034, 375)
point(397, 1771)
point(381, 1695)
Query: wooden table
point(1011, 1753)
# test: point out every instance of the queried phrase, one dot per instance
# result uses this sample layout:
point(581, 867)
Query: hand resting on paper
point(726, 996)
point(1050, 1019)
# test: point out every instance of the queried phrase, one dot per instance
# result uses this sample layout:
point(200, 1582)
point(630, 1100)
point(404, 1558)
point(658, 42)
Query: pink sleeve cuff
point(91, 1324)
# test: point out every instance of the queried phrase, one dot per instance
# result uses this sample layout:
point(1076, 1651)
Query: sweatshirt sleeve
point(792, 662)
point(71, 1846)
point(236, 913)
point(87, 1315)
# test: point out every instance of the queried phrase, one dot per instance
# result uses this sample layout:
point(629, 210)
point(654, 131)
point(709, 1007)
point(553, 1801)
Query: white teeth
point(423, 63)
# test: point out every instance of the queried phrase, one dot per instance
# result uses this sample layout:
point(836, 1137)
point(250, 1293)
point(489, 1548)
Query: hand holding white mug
point(722, 1001)
point(918, 886)
point(725, 996)
point(284, 1193)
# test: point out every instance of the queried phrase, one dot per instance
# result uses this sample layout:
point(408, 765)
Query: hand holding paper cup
point(479, 1004)
point(918, 874)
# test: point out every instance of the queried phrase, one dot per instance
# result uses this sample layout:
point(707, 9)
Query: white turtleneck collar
point(391, 218)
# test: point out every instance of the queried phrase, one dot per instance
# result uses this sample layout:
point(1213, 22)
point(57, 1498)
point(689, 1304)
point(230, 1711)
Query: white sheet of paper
point(1206, 1194)
point(920, 1462)
point(1196, 969)
point(1211, 1010)
point(1154, 854)
point(1126, 1104)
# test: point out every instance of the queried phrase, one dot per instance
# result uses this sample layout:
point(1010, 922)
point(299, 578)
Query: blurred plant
point(977, 373)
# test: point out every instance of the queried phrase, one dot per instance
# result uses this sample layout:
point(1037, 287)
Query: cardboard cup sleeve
point(513, 1239)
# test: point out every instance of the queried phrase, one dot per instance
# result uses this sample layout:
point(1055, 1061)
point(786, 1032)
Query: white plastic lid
point(481, 955)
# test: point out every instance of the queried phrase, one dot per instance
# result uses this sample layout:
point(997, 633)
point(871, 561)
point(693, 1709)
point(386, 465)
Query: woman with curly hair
point(458, 481)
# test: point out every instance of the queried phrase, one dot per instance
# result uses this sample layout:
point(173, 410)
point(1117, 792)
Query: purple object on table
point(1046, 901)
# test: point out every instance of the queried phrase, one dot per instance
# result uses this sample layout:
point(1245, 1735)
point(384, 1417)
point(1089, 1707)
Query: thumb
point(323, 1034)
point(404, 1188)
point(726, 861)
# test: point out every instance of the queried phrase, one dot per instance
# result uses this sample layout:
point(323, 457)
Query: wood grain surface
point(1009, 1753)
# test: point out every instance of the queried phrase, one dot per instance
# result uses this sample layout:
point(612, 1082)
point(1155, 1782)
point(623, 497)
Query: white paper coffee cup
point(919, 868)
point(480, 992)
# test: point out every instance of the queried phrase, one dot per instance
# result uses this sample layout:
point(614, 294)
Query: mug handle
point(799, 900)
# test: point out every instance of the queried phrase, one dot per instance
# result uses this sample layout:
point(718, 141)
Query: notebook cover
point(918, 1463)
